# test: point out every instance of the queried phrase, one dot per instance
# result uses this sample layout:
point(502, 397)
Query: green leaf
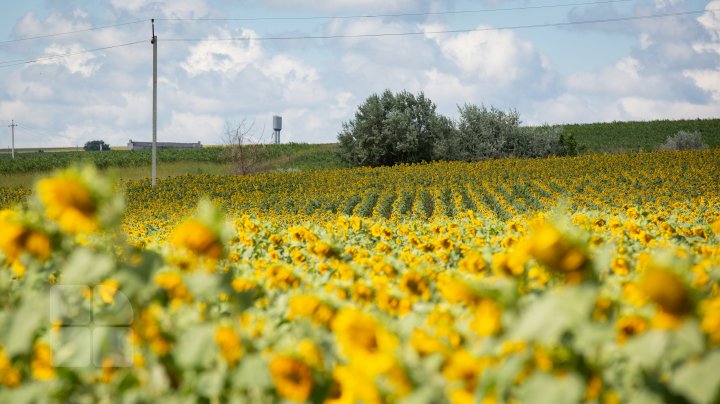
point(32, 314)
point(553, 314)
point(202, 285)
point(86, 268)
point(647, 349)
point(686, 342)
point(137, 280)
point(29, 393)
point(543, 388)
point(252, 373)
point(590, 337)
point(211, 383)
point(699, 380)
point(427, 394)
point(503, 378)
point(196, 347)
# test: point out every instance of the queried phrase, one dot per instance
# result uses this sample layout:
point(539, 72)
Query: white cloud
point(708, 80)
point(18, 88)
point(638, 108)
point(666, 3)
point(289, 69)
point(710, 19)
point(447, 90)
point(79, 63)
point(645, 41)
point(191, 127)
point(79, 134)
point(372, 6)
point(227, 57)
point(131, 5)
point(622, 78)
point(295, 80)
point(495, 56)
point(673, 70)
point(168, 8)
point(571, 108)
point(31, 25)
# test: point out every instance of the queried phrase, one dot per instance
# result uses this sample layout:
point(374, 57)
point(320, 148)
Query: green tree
point(484, 133)
point(392, 128)
point(95, 145)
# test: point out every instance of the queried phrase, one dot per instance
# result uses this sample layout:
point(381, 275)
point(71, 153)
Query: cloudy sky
point(223, 61)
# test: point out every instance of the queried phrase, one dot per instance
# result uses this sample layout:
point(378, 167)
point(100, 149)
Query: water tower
point(277, 127)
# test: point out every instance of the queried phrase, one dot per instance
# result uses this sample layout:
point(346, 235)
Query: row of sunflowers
point(587, 279)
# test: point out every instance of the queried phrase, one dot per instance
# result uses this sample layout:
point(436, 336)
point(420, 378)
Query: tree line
point(406, 128)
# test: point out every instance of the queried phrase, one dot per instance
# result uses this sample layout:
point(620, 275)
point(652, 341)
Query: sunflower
point(230, 345)
point(669, 294)
point(367, 345)
point(196, 237)
point(550, 248)
point(42, 368)
point(292, 378)
point(9, 375)
point(710, 323)
point(17, 239)
point(628, 326)
point(70, 203)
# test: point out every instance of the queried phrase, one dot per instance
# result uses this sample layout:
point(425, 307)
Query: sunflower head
point(292, 377)
point(79, 201)
point(204, 234)
point(20, 236)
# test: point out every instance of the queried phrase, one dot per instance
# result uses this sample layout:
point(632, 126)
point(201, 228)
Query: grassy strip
point(646, 136)
point(595, 137)
point(284, 156)
point(164, 170)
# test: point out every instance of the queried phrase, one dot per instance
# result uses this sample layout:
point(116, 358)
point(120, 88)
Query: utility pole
point(154, 137)
point(12, 126)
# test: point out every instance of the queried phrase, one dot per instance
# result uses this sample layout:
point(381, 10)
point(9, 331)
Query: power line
point(387, 34)
point(39, 133)
point(38, 59)
point(453, 31)
point(36, 132)
point(71, 32)
point(487, 10)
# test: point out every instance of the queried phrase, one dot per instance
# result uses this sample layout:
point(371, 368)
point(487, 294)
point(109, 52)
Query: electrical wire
point(452, 31)
point(71, 32)
point(41, 133)
point(371, 35)
point(487, 10)
point(32, 132)
point(38, 59)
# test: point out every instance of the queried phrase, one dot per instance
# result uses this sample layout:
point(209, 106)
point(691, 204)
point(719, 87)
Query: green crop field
point(591, 138)
point(645, 136)
point(136, 164)
point(592, 279)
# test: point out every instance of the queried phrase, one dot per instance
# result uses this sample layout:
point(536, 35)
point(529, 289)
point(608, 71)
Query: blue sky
point(626, 69)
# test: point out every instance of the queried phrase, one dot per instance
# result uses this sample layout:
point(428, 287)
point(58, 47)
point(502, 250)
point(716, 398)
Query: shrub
point(484, 133)
point(392, 128)
point(481, 133)
point(95, 145)
point(241, 149)
point(683, 140)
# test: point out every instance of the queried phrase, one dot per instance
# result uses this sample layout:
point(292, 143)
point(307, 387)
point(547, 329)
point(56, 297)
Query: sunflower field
point(562, 280)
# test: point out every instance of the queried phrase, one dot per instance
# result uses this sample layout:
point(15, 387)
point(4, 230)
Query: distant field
point(164, 170)
point(5, 152)
point(592, 138)
point(25, 168)
point(620, 136)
